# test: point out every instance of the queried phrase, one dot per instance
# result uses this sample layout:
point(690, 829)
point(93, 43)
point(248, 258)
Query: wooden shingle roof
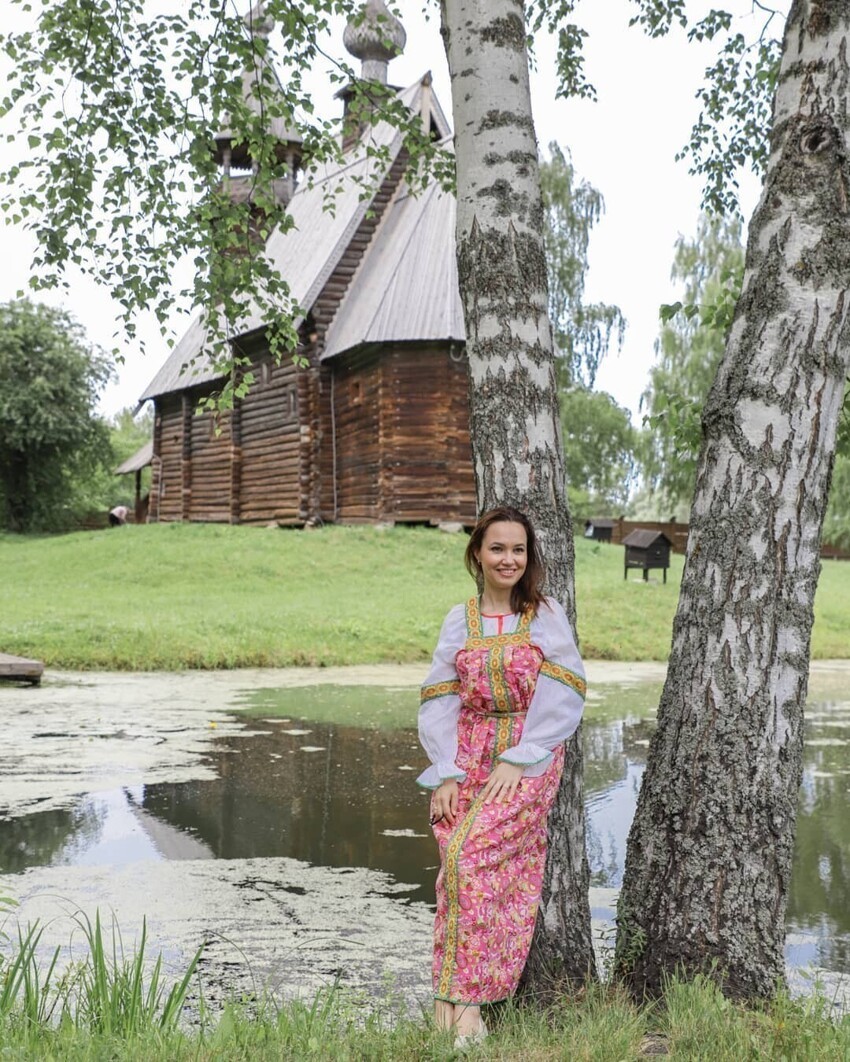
point(643, 539)
point(406, 287)
point(139, 460)
point(308, 252)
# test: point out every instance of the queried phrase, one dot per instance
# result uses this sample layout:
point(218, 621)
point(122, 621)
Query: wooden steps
point(19, 669)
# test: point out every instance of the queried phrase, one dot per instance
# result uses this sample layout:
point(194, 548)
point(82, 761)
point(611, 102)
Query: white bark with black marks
point(514, 422)
point(710, 852)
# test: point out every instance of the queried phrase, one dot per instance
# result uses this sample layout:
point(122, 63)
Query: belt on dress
point(504, 715)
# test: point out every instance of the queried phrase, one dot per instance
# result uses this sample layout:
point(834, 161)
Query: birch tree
point(709, 855)
point(513, 400)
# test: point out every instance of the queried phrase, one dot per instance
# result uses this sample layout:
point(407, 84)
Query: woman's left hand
point(502, 783)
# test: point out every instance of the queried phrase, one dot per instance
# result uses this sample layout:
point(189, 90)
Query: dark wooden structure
point(373, 426)
point(646, 550)
point(676, 532)
point(600, 529)
point(20, 669)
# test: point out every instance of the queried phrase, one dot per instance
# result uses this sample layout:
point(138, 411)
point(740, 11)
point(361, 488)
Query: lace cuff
point(438, 773)
point(534, 758)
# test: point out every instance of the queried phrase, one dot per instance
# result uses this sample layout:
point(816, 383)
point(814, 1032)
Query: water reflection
point(342, 795)
point(40, 839)
point(820, 884)
point(327, 794)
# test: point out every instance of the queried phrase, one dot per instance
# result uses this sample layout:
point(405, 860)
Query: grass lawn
point(173, 596)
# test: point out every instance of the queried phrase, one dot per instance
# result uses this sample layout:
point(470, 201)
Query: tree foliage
point(582, 332)
point(117, 107)
point(103, 489)
point(689, 348)
point(732, 128)
point(51, 440)
point(600, 452)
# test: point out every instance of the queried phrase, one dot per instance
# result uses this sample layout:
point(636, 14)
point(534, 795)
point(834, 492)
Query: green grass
point(174, 596)
point(110, 1006)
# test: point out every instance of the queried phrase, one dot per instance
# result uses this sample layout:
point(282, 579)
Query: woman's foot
point(469, 1026)
point(444, 1014)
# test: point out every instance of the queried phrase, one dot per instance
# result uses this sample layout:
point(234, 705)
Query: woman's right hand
point(444, 802)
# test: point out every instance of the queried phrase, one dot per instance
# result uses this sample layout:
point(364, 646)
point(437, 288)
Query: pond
point(268, 781)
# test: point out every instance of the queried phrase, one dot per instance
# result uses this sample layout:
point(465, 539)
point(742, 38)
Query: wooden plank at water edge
point(18, 669)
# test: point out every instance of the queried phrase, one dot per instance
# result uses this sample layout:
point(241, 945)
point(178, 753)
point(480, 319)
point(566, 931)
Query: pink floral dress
point(492, 696)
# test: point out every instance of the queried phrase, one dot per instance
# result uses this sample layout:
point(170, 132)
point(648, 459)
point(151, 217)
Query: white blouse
point(554, 712)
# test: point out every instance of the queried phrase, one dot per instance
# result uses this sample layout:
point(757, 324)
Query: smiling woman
point(505, 690)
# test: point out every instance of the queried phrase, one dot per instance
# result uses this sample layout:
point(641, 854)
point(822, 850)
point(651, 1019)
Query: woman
point(505, 690)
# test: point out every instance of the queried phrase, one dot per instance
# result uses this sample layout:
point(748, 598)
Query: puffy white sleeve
point(440, 704)
point(556, 706)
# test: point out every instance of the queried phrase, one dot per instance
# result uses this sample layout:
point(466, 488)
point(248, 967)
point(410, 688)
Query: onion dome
point(374, 37)
point(259, 83)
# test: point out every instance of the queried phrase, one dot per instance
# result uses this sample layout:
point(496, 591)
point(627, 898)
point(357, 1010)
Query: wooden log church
point(375, 427)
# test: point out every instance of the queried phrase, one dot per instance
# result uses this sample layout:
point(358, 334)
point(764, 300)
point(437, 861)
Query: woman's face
point(503, 555)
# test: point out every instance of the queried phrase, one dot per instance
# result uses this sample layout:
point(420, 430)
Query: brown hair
point(526, 595)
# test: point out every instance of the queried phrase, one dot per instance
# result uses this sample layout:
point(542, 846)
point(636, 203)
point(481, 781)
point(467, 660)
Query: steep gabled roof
point(306, 253)
point(406, 286)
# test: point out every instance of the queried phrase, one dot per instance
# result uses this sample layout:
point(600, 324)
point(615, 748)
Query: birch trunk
point(709, 854)
point(514, 422)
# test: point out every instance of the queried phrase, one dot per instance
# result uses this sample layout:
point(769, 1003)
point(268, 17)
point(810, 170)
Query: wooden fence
point(678, 535)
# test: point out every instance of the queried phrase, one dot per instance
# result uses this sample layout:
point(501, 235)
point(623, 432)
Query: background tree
point(693, 335)
point(102, 490)
point(599, 464)
point(710, 850)
point(836, 527)
point(51, 439)
point(690, 347)
point(582, 333)
point(600, 447)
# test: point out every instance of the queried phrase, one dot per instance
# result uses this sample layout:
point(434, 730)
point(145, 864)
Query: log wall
point(207, 490)
point(427, 455)
point(239, 467)
point(396, 424)
point(270, 460)
point(167, 481)
point(354, 417)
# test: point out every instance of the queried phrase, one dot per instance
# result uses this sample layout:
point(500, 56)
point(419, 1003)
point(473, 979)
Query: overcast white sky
point(625, 144)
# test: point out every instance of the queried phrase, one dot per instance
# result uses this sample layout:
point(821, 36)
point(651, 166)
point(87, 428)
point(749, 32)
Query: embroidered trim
point(563, 674)
point(439, 689)
point(498, 685)
point(469, 1003)
point(488, 640)
point(452, 858)
point(476, 639)
point(503, 737)
point(473, 619)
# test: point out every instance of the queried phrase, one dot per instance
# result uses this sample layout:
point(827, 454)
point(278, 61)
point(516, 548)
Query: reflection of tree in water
point(604, 758)
point(615, 754)
point(330, 807)
point(606, 870)
point(40, 839)
point(820, 881)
